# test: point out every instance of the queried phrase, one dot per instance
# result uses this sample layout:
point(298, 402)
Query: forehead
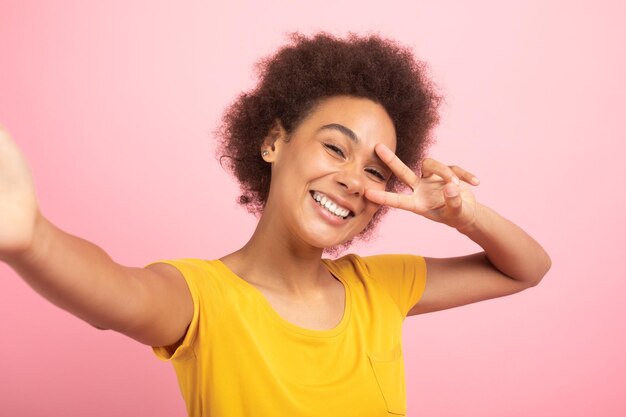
point(369, 121)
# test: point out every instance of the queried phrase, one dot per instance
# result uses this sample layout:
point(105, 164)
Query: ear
point(273, 141)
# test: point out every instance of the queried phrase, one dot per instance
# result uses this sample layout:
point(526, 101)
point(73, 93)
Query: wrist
point(29, 248)
point(476, 223)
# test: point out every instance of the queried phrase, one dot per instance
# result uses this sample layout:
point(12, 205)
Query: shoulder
point(376, 264)
point(196, 273)
point(182, 267)
point(379, 267)
point(350, 264)
point(401, 277)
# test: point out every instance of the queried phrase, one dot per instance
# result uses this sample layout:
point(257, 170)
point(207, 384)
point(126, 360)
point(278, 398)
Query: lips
point(331, 206)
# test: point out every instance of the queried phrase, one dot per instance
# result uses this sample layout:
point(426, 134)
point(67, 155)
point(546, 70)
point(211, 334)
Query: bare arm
point(152, 305)
point(512, 260)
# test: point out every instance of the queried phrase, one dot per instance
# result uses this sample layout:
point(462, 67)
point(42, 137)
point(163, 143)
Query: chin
point(337, 250)
point(326, 244)
point(329, 243)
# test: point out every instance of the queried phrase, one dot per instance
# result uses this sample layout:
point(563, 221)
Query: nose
point(352, 179)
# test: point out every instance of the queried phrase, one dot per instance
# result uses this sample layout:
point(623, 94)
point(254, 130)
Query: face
point(321, 171)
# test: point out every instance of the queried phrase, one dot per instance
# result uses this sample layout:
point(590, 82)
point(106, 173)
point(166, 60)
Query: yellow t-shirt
point(240, 358)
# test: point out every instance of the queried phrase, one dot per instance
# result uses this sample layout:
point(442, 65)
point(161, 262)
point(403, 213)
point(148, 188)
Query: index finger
point(431, 166)
point(394, 163)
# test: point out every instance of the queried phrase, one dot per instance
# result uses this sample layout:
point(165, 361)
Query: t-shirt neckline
point(340, 327)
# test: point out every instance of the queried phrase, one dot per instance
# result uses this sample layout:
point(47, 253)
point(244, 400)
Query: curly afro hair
point(307, 70)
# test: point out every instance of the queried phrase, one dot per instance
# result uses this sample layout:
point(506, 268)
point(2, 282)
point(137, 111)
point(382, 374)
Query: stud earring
point(265, 153)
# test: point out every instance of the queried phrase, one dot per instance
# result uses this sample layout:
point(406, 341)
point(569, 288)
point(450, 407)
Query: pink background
point(114, 104)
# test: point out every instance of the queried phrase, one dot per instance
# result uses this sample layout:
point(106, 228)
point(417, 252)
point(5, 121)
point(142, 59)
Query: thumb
point(452, 196)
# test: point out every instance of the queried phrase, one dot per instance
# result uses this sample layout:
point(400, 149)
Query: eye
point(335, 149)
point(376, 173)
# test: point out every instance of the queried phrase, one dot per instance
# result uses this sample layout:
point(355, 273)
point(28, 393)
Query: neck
point(274, 259)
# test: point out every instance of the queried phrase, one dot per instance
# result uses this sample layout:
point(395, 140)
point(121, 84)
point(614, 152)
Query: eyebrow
point(341, 128)
point(350, 133)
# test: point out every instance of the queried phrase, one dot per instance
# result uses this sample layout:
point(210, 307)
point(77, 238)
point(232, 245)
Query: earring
point(265, 153)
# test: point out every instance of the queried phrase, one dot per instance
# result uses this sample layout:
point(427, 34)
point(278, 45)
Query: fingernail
point(475, 180)
point(456, 180)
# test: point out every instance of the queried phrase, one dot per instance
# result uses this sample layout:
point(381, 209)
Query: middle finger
point(398, 167)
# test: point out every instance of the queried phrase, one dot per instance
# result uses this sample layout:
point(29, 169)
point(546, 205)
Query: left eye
point(335, 149)
point(376, 173)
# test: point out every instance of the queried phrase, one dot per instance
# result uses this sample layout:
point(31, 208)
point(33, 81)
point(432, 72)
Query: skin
point(283, 257)
point(343, 149)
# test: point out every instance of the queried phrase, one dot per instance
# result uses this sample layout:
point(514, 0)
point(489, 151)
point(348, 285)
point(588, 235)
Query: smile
point(330, 205)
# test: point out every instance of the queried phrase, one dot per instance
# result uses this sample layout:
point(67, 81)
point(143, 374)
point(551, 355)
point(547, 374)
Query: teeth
point(330, 205)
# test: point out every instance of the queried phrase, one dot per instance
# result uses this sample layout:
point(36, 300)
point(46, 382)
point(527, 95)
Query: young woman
point(320, 148)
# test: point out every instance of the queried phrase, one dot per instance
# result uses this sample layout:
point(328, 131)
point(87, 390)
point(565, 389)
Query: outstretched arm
point(512, 260)
point(152, 306)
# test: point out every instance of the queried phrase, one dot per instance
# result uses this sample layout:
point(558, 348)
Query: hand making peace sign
point(441, 194)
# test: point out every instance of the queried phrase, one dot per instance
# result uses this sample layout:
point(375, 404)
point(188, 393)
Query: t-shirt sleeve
point(201, 286)
point(403, 276)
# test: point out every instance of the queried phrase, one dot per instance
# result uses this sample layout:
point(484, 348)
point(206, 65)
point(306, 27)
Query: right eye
point(335, 149)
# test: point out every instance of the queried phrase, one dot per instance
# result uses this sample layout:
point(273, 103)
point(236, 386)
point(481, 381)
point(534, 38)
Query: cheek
point(311, 168)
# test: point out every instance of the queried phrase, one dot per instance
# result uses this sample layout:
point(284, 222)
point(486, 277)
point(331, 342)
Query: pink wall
point(114, 104)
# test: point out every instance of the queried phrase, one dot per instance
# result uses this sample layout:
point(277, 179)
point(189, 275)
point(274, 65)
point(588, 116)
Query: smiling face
point(321, 171)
